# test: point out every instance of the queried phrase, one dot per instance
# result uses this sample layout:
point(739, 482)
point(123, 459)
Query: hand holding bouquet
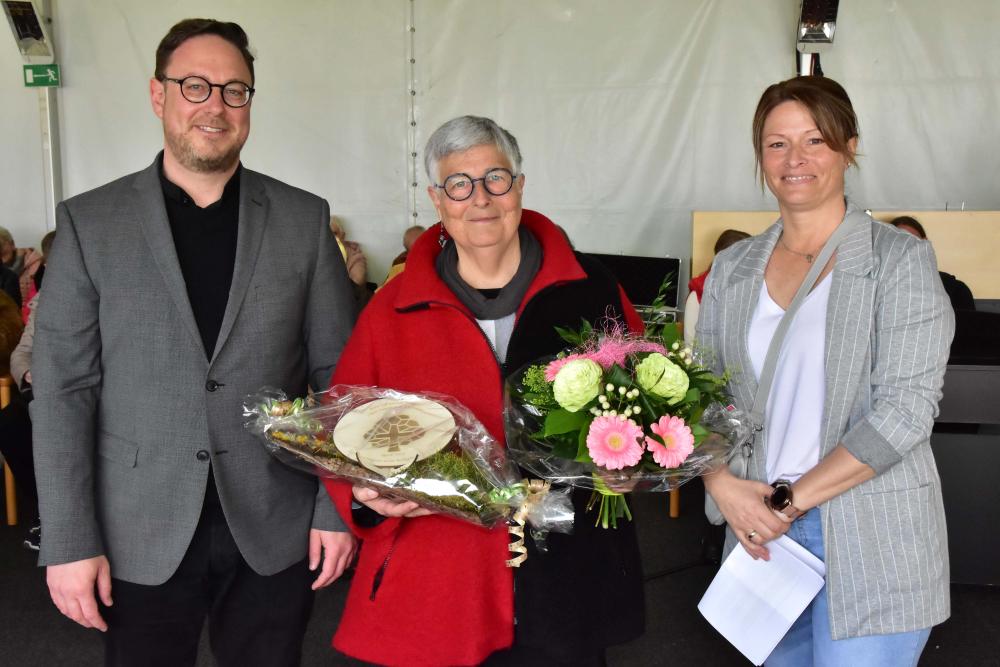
point(620, 413)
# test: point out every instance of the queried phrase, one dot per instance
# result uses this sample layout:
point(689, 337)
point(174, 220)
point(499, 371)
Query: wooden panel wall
point(967, 243)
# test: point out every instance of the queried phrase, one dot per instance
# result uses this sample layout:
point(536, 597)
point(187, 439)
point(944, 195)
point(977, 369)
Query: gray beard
point(189, 159)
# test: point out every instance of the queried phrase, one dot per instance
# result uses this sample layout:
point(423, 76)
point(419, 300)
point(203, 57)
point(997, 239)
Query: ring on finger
point(752, 534)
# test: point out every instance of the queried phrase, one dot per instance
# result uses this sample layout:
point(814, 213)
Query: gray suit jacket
point(889, 326)
point(128, 412)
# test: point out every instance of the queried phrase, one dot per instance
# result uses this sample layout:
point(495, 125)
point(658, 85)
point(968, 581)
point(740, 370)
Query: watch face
point(781, 497)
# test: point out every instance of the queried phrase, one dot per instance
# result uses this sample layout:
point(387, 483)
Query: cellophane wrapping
point(470, 478)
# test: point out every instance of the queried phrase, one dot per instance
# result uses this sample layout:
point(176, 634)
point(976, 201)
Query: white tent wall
point(22, 190)
point(630, 114)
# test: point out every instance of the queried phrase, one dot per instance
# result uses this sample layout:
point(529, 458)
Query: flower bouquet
point(427, 448)
point(620, 413)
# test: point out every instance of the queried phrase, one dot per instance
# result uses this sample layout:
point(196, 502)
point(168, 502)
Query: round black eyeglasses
point(459, 187)
point(197, 89)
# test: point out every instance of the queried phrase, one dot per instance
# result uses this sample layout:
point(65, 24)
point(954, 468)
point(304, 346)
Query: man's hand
point(338, 549)
point(387, 506)
point(71, 586)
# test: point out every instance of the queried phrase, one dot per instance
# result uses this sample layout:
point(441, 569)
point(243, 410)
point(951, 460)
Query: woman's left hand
point(741, 502)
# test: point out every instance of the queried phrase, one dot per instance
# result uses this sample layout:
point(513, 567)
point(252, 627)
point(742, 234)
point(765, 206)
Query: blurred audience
point(11, 256)
point(24, 262)
point(10, 330)
point(357, 264)
point(959, 293)
point(36, 279)
point(399, 263)
point(15, 426)
point(15, 423)
point(697, 284)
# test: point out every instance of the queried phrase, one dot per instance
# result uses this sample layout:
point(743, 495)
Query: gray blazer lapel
point(253, 218)
point(848, 326)
point(741, 297)
point(151, 212)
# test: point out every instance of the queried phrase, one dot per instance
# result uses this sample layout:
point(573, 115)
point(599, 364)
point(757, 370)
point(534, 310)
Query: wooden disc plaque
point(389, 433)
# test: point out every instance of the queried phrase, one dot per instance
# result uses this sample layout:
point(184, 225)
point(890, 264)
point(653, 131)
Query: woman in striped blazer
point(846, 467)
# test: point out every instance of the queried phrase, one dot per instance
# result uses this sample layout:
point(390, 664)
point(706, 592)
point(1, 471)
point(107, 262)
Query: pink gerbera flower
point(677, 445)
point(614, 443)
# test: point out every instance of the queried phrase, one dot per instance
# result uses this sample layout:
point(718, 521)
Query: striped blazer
point(889, 327)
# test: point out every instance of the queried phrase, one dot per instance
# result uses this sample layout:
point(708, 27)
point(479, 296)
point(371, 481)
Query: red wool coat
point(445, 596)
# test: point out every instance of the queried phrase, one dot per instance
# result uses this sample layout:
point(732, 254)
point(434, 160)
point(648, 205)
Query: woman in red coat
point(480, 297)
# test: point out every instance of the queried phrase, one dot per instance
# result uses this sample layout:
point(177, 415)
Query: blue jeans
point(808, 641)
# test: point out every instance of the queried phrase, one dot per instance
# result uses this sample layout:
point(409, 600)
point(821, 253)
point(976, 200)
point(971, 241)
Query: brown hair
point(728, 238)
point(47, 243)
point(909, 222)
point(827, 102)
point(188, 28)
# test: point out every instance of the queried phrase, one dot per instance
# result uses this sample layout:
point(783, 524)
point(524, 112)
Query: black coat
point(586, 592)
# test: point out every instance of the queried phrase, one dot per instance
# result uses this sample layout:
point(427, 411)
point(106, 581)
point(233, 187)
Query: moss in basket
point(471, 486)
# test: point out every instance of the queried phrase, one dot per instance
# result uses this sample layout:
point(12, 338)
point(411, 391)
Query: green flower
point(658, 375)
point(577, 383)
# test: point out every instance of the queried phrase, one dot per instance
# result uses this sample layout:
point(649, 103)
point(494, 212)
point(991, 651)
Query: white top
point(498, 332)
point(794, 410)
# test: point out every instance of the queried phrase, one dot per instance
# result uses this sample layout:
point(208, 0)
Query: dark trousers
point(252, 620)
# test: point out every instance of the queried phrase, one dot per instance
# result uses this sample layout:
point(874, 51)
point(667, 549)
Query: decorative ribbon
point(536, 490)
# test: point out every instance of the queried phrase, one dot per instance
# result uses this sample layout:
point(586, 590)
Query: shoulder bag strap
point(771, 360)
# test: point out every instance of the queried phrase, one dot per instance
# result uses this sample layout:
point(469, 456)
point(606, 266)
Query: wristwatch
point(781, 499)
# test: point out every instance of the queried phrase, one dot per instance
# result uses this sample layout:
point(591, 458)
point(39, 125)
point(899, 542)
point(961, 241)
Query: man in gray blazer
point(174, 292)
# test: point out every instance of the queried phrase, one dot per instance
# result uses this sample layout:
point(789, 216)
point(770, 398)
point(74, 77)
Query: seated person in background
point(11, 256)
point(409, 236)
point(10, 330)
point(697, 284)
point(36, 279)
point(20, 358)
point(958, 292)
point(15, 427)
point(15, 424)
point(357, 264)
point(24, 262)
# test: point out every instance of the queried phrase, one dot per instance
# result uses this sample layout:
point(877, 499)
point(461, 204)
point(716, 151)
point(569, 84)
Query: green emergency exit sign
point(36, 76)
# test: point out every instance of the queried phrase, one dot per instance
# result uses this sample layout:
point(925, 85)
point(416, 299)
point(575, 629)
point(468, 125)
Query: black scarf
point(511, 294)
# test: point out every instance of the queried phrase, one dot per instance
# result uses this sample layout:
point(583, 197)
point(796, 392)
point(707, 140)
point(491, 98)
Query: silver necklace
point(808, 256)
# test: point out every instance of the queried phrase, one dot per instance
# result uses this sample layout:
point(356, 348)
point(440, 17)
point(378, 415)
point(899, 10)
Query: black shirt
point(205, 240)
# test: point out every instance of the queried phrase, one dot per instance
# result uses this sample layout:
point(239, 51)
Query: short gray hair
point(465, 132)
point(5, 236)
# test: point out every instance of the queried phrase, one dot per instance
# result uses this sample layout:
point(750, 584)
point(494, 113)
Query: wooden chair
point(6, 383)
point(675, 503)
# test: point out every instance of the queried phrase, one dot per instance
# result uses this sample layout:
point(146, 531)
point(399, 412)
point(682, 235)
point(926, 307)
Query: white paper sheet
point(753, 603)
